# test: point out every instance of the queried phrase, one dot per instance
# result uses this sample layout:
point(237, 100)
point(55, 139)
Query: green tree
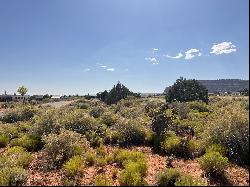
point(22, 90)
point(118, 92)
point(185, 90)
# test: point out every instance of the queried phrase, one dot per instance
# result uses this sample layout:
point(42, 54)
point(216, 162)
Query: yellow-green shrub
point(171, 143)
point(213, 162)
point(102, 180)
point(4, 140)
point(167, 177)
point(12, 176)
point(187, 180)
point(73, 166)
point(29, 142)
point(18, 156)
point(133, 174)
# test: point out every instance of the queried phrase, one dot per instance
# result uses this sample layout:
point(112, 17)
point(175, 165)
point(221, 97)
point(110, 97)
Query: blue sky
point(86, 46)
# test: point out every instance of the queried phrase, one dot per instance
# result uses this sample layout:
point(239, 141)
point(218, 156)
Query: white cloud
point(175, 57)
point(191, 53)
point(153, 60)
point(224, 47)
point(110, 69)
point(103, 66)
point(86, 69)
point(155, 49)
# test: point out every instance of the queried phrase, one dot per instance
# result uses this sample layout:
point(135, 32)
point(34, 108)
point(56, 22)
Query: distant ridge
point(222, 85)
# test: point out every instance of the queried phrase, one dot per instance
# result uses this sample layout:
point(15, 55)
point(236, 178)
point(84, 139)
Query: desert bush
point(124, 156)
point(133, 174)
point(167, 177)
point(82, 106)
point(195, 148)
point(12, 176)
point(73, 166)
point(108, 119)
point(22, 113)
point(217, 148)
point(29, 142)
point(90, 158)
point(102, 180)
point(199, 106)
point(173, 177)
point(229, 127)
point(79, 122)
point(47, 122)
point(97, 111)
point(4, 140)
point(59, 148)
point(9, 130)
point(17, 156)
point(180, 109)
point(171, 143)
point(188, 180)
point(152, 106)
point(213, 162)
point(130, 132)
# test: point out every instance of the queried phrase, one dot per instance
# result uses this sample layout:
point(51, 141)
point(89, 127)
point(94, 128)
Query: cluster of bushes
point(135, 167)
point(173, 177)
point(20, 113)
point(12, 166)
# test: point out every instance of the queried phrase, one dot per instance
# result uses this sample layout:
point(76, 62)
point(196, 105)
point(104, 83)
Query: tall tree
point(22, 90)
point(185, 90)
point(117, 93)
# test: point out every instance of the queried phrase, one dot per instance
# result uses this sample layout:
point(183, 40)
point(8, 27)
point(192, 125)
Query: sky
point(87, 46)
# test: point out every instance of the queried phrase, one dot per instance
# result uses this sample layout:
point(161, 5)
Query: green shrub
point(29, 142)
point(199, 106)
point(187, 180)
point(96, 112)
point(171, 143)
point(180, 109)
point(47, 122)
point(22, 113)
point(130, 133)
point(217, 148)
point(162, 121)
point(133, 174)
point(63, 146)
point(168, 177)
point(229, 127)
point(102, 180)
point(12, 176)
point(4, 140)
point(195, 148)
point(73, 166)
point(79, 122)
point(82, 106)
point(90, 158)
point(213, 162)
point(108, 119)
point(18, 156)
point(124, 156)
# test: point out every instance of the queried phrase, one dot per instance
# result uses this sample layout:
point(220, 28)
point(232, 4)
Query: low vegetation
point(100, 137)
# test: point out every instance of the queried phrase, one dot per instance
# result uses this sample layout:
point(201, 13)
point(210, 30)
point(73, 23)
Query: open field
point(138, 141)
